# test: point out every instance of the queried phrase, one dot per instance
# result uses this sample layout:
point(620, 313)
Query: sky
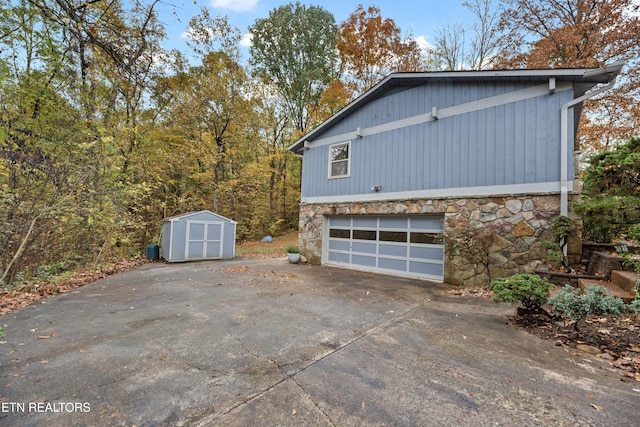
point(422, 19)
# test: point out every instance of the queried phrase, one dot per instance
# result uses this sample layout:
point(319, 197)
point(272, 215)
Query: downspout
point(564, 138)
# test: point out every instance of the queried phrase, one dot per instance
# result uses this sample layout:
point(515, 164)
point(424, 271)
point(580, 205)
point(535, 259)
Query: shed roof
point(188, 214)
point(583, 79)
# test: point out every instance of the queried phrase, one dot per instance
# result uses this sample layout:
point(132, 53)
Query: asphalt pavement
point(263, 342)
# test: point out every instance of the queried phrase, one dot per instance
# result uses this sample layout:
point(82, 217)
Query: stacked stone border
point(523, 222)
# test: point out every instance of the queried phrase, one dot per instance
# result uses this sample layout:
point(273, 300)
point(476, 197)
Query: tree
point(73, 76)
point(295, 49)
point(449, 47)
point(610, 205)
point(452, 50)
point(582, 33)
point(371, 47)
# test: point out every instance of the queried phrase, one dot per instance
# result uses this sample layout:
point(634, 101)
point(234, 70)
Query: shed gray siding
point(503, 145)
point(174, 235)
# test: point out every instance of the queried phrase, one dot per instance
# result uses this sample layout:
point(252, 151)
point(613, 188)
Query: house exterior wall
point(505, 136)
point(521, 223)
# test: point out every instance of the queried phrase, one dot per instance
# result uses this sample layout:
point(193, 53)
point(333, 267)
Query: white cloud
point(235, 5)
point(246, 40)
point(423, 44)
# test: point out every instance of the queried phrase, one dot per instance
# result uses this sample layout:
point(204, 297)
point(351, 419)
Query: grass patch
point(276, 249)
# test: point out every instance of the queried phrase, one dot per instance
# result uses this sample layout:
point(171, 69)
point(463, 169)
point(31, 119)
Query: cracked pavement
point(264, 343)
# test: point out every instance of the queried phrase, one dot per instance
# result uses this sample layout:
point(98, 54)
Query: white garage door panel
point(403, 245)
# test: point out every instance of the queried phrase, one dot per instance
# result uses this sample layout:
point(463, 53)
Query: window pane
point(393, 236)
point(341, 234)
point(426, 238)
point(364, 234)
point(339, 168)
point(339, 152)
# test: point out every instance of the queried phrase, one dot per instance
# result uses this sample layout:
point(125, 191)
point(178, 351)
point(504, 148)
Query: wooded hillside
point(104, 132)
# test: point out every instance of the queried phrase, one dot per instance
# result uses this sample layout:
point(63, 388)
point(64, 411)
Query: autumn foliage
point(104, 132)
point(582, 34)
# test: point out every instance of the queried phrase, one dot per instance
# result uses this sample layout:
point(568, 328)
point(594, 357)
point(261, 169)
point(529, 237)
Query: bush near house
point(576, 304)
point(528, 289)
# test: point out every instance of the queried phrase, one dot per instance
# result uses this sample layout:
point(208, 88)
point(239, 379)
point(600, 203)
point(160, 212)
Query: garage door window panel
point(426, 238)
point(339, 233)
point(364, 234)
point(393, 236)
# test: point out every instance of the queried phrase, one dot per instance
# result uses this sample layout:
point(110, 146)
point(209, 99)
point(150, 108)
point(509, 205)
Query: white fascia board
point(460, 192)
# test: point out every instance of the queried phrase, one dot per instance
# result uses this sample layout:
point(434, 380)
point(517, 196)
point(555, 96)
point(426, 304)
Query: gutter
point(614, 70)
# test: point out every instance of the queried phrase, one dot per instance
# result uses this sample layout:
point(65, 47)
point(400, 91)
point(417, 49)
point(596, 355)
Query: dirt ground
point(613, 338)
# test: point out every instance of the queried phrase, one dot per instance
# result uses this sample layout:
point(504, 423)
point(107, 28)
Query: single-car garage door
point(402, 245)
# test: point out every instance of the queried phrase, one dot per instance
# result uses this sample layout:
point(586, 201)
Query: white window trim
point(348, 174)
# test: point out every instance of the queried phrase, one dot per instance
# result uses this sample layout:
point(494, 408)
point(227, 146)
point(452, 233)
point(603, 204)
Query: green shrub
point(610, 206)
point(635, 307)
point(607, 217)
point(292, 249)
point(634, 233)
point(575, 304)
point(554, 252)
point(632, 261)
point(528, 289)
point(562, 226)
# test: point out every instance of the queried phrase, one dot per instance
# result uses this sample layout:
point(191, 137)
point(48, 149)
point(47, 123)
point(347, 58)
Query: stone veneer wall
point(523, 223)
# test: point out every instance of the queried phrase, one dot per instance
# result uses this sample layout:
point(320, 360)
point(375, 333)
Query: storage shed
point(198, 236)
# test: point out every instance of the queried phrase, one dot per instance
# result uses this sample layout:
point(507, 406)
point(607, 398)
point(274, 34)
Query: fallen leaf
point(596, 407)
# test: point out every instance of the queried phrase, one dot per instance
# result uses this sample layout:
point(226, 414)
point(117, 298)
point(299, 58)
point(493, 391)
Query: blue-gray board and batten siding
point(198, 236)
point(490, 135)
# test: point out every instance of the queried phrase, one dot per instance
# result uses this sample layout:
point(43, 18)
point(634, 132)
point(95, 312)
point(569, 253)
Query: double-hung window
point(339, 160)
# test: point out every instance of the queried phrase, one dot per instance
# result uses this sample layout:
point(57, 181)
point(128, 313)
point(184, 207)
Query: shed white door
point(402, 245)
point(204, 240)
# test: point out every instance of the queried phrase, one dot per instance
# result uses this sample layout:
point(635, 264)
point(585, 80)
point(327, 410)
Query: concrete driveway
point(265, 343)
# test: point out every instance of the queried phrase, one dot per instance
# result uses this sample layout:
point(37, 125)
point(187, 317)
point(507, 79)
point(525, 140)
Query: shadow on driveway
point(265, 343)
